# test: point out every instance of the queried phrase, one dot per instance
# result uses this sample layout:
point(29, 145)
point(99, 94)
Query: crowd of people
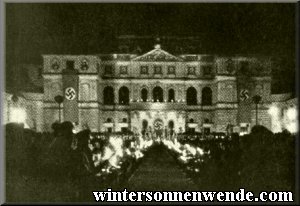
point(88, 161)
point(258, 161)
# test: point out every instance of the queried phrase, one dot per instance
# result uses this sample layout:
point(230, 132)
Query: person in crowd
point(56, 128)
point(60, 151)
point(31, 152)
point(15, 150)
point(83, 165)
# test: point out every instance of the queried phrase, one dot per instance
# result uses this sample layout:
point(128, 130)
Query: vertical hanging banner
point(70, 85)
point(244, 90)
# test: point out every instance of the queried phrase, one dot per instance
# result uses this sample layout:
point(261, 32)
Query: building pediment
point(157, 55)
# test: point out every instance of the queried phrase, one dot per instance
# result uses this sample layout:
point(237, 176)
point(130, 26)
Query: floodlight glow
point(138, 154)
point(200, 151)
point(291, 122)
point(108, 153)
point(18, 115)
point(274, 111)
point(117, 143)
point(243, 133)
point(291, 113)
point(113, 161)
point(292, 127)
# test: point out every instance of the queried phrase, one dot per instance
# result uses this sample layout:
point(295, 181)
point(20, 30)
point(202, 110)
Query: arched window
point(124, 95)
point(171, 127)
point(108, 120)
point(171, 124)
point(191, 120)
point(191, 96)
point(206, 96)
point(144, 127)
point(108, 96)
point(171, 97)
point(145, 124)
point(144, 95)
point(158, 94)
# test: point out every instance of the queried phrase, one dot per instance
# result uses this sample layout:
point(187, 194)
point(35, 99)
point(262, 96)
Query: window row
point(144, 70)
point(157, 95)
point(69, 64)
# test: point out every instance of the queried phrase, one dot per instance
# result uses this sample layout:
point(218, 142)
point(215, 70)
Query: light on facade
point(291, 123)
point(273, 111)
point(108, 153)
point(18, 115)
point(291, 113)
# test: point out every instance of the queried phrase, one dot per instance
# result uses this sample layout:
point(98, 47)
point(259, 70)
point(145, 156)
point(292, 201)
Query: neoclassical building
point(156, 90)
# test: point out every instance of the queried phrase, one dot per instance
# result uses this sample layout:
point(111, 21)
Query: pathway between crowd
point(159, 171)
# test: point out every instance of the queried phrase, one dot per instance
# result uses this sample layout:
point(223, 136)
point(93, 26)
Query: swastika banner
point(244, 90)
point(70, 84)
point(70, 93)
point(244, 94)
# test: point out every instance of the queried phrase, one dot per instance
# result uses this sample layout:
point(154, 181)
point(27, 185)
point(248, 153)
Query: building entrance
point(158, 126)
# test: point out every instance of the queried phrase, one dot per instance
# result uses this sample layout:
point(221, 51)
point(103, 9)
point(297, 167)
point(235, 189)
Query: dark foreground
point(160, 172)
point(260, 161)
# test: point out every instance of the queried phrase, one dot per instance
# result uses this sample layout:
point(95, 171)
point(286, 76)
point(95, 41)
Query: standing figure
point(83, 166)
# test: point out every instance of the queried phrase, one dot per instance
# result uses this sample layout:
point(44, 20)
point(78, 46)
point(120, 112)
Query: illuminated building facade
point(155, 91)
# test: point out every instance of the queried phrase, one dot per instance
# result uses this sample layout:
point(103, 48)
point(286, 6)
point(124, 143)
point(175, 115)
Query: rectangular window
point(124, 129)
point(244, 67)
point(207, 58)
point(192, 130)
point(123, 70)
point(206, 131)
point(171, 69)
point(70, 65)
point(192, 70)
point(207, 70)
point(144, 70)
point(157, 70)
point(244, 128)
point(108, 69)
point(109, 130)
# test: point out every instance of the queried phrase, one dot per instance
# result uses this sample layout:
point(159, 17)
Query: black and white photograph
point(150, 102)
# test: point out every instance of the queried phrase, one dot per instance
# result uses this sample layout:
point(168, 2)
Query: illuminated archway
point(206, 96)
point(108, 96)
point(191, 96)
point(171, 95)
point(124, 95)
point(158, 94)
point(144, 95)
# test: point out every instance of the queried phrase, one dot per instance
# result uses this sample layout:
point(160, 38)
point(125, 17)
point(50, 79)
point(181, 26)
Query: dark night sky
point(36, 29)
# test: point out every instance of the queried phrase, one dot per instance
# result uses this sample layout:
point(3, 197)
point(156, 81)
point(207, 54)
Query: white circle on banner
point(70, 93)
